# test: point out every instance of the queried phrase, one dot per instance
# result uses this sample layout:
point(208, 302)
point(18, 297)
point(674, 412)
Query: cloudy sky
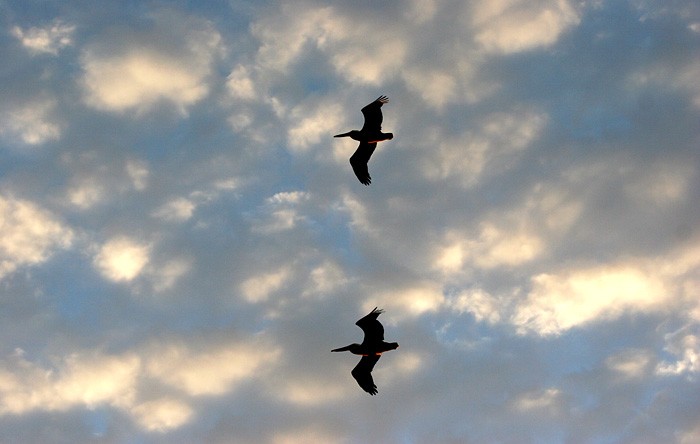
point(183, 241)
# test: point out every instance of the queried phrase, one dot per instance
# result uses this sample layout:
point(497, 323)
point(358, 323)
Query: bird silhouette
point(368, 136)
point(371, 348)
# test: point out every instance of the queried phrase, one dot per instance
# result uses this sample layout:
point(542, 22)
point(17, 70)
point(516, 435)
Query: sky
point(183, 241)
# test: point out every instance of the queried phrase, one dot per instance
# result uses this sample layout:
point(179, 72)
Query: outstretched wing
point(360, 159)
point(363, 373)
point(374, 331)
point(373, 115)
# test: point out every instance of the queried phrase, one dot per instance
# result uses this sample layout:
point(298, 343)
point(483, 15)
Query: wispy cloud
point(182, 240)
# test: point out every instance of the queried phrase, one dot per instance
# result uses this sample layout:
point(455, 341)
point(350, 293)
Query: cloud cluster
point(183, 241)
point(30, 234)
point(169, 63)
point(128, 381)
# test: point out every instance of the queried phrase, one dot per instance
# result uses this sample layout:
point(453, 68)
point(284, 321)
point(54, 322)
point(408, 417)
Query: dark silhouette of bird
point(371, 348)
point(368, 136)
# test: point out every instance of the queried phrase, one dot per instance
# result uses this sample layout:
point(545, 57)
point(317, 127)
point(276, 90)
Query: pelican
point(368, 136)
point(371, 348)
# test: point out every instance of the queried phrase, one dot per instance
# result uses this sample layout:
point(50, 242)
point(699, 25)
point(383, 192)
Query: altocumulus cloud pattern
point(183, 240)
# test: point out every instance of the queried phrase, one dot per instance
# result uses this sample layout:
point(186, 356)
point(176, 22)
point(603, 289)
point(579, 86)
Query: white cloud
point(410, 301)
point(325, 278)
point(92, 379)
point(136, 73)
point(212, 372)
point(631, 364)
point(311, 124)
point(490, 150)
point(85, 193)
point(564, 300)
point(97, 181)
point(240, 84)
point(80, 380)
point(281, 212)
point(310, 392)
point(33, 123)
point(166, 275)
point(139, 79)
point(179, 209)
point(360, 50)
point(479, 303)
point(517, 25)
point(122, 258)
point(436, 87)
point(493, 246)
point(138, 173)
point(306, 434)
point(549, 401)
point(686, 347)
point(49, 39)
point(162, 415)
point(260, 287)
point(367, 55)
point(30, 234)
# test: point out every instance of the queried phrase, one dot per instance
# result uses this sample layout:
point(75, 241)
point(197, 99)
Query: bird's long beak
point(343, 135)
point(342, 349)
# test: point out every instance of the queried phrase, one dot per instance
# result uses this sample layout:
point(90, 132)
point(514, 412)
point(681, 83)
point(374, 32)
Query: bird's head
point(348, 134)
point(349, 348)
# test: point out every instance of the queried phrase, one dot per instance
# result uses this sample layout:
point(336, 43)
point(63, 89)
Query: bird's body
point(370, 134)
point(371, 348)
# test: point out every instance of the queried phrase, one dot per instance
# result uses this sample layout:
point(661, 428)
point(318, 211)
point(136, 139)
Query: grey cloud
point(530, 230)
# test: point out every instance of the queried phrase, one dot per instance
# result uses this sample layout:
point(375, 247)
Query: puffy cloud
point(311, 124)
point(489, 150)
point(309, 392)
point(549, 401)
point(80, 380)
point(138, 79)
point(132, 381)
point(138, 172)
point(631, 364)
point(561, 301)
point(162, 415)
point(302, 435)
point(215, 371)
point(30, 234)
point(96, 181)
point(325, 278)
point(240, 84)
point(482, 305)
point(85, 192)
point(172, 64)
point(33, 123)
point(281, 212)
point(686, 347)
point(361, 52)
point(178, 210)
point(49, 39)
point(259, 288)
point(515, 25)
point(409, 301)
point(165, 276)
point(122, 258)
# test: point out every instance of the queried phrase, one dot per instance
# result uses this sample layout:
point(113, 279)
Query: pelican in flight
point(371, 348)
point(368, 136)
